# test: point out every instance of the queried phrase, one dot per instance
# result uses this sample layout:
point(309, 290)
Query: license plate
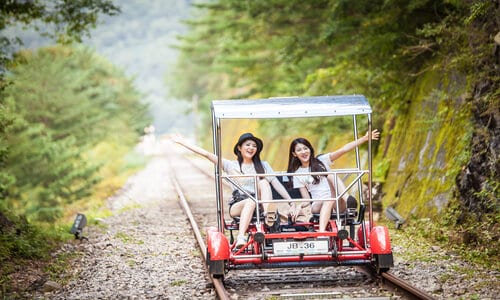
point(300, 247)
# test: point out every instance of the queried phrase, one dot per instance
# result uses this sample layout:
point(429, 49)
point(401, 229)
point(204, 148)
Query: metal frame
point(289, 107)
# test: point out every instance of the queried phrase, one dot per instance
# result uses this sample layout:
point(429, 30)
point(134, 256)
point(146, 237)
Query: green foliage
point(64, 101)
point(21, 239)
point(278, 48)
point(22, 242)
point(57, 107)
point(53, 155)
point(73, 18)
point(66, 21)
point(71, 119)
point(6, 121)
point(478, 245)
point(388, 51)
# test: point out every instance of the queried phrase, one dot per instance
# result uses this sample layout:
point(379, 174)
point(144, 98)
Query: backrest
point(293, 192)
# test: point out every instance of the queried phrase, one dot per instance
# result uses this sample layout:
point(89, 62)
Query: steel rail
point(411, 290)
point(394, 283)
point(217, 282)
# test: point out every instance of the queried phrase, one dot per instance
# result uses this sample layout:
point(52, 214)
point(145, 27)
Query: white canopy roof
point(291, 107)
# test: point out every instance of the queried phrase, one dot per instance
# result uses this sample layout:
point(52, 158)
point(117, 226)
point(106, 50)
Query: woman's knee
point(249, 203)
point(265, 191)
point(329, 205)
point(316, 207)
point(264, 184)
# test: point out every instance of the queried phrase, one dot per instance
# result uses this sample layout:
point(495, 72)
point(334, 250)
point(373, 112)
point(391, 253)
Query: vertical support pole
point(257, 204)
point(218, 180)
point(360, 183)
point(370, 169)
point(358, 159)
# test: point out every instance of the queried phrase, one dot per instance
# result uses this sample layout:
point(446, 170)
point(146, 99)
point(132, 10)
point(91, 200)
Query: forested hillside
point(137, 40)
point(68, 122)
point(429, 68)
point(67, 105)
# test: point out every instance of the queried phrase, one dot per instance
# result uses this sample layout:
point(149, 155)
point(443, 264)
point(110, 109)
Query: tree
point(66, 21)
point(64, 101)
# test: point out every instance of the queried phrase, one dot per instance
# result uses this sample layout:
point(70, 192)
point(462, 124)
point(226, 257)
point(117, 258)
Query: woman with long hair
point(301, 159)
point(247, 151)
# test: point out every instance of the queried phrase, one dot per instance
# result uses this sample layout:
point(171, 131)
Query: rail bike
point(352, 238)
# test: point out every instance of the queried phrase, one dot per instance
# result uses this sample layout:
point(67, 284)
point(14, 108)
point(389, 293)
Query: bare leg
point(265, 193)
point(244, 209)
point(325, 210)
point(324, 214)
point(341, 188)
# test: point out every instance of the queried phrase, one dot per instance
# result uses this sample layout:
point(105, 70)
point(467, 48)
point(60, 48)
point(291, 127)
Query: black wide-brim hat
point(248, 136)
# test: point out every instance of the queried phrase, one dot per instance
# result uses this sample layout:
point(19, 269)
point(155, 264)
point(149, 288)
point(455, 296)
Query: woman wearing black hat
point(248, 162)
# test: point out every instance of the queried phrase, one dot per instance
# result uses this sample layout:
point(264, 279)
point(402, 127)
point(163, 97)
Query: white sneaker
point(241, 240)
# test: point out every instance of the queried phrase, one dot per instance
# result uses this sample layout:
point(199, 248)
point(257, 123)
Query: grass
point(126, 238)
point(59, 265)
point(25, 249)
point(428, 241)
point(178, 282)
point(195, 253)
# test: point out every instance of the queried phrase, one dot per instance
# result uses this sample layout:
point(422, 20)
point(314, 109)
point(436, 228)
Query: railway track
point(193, 181)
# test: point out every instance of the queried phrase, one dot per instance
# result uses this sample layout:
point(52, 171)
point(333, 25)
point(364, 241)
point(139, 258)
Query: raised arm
point(351, 145)
point(178, 139)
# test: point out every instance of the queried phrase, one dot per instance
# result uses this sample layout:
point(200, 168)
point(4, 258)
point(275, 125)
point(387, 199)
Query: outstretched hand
point(178, 138)
point(186, 143)
point(375, 134)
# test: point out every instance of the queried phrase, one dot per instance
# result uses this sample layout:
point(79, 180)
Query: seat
point(293, 192)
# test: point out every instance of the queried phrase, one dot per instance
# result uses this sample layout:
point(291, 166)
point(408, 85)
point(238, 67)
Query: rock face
point(445, 145)
point(444, 159)
point(484, 165)
point(428, 146)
